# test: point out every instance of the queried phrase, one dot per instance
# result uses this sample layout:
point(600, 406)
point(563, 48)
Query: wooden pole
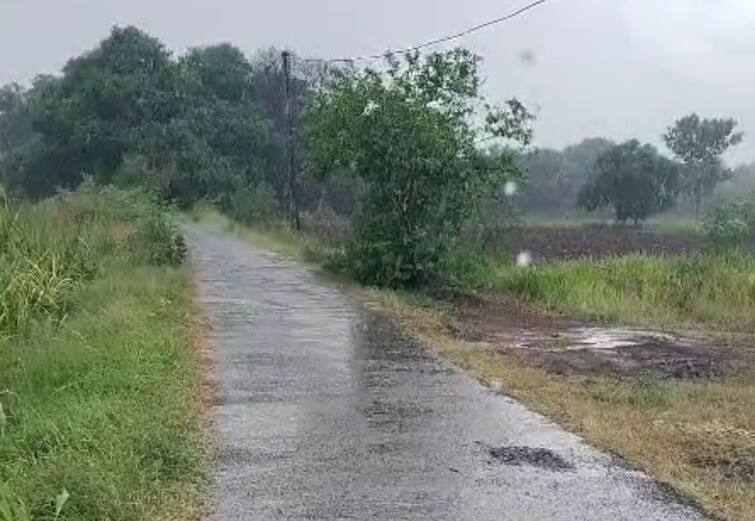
point(293, 200)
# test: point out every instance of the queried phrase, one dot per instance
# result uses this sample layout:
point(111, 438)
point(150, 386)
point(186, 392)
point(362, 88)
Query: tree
point(409, 135)
point(634, 180)
point(106, 100)
point(16, 134)
point(15, 122)
point(699, 144)
point(128, 112)
point(555, 177)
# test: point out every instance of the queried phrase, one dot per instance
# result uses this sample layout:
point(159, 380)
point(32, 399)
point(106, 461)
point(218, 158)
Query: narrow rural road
point(327, 413)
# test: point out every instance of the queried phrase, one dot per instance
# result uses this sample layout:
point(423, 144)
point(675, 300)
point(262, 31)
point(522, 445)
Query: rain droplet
point(370, 108)
point(524, 259)
point(510, 188)
point(527, 57)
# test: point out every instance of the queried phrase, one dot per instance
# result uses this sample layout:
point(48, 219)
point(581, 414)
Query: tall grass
point(47, 251)
point(99, 417)
point(715, 289)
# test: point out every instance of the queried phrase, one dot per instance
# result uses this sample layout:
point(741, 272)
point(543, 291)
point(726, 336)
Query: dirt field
point(546, 243)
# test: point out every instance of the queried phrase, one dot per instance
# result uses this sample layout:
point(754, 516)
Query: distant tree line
point(631, 179)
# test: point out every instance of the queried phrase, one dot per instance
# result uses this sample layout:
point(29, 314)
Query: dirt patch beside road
point(571, 348)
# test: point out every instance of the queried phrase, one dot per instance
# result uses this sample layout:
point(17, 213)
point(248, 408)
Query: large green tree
point(409, 133)
point(634, 180)
point(555, 177)
point(699, 144)
point(16, 134)
point(127, 111)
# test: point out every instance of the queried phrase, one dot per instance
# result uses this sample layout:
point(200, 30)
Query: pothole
point(532, 456)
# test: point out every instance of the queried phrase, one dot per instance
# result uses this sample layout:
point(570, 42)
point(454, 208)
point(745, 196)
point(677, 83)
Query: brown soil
point(553, 243)
point(566, 347)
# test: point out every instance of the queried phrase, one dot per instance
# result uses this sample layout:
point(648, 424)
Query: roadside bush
point(325, 225)
point(731, 224)
point(409, 134)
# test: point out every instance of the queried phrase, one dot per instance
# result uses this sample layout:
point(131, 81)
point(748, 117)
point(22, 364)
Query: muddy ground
point(571, 348)
point(555, 243)
point(546, 243)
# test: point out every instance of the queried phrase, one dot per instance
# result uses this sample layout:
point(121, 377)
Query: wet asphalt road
point(326, 413)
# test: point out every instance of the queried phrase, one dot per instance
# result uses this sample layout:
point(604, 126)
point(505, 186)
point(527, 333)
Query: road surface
point(325, 412)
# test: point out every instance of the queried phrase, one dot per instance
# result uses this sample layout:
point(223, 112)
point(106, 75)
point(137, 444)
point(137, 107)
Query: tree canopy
point(555, 177)
point(634, 180)
point(129, 111)
point(409, 135)
point(699, 144)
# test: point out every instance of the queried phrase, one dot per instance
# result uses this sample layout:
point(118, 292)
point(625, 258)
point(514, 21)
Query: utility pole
point(290, 145)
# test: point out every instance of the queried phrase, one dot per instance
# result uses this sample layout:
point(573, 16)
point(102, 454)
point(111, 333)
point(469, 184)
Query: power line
point(435, 41)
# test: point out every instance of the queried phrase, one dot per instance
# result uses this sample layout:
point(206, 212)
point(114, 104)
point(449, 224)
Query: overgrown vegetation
point(99, 412)
point(731, 224)
point(716, 290)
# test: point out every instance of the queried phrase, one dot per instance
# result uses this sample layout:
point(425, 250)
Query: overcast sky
point(616, 68)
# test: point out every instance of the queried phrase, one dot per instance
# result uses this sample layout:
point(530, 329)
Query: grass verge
point(100, 413)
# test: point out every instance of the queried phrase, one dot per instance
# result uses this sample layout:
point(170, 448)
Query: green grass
point(100, 416)
point(717, 290)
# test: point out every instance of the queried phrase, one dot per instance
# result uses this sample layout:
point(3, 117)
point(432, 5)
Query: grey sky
point(619, 68)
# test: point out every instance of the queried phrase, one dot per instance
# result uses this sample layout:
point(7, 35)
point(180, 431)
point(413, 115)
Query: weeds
point(716, 289)
point(49, 250)
point(99, 413)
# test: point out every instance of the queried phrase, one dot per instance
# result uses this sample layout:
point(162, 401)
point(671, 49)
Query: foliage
point(82, 401)
point(48, 251)
point(250, 204)
point(731, 224)
point(94, 346)
point(127, 110)
point(555, 177)
point(408, 134)
point(699, 144)
point(634, 180)
point(713, 289)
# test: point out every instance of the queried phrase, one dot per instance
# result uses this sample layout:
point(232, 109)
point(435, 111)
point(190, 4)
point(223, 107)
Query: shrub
point(731, 224)
point(410, 136)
